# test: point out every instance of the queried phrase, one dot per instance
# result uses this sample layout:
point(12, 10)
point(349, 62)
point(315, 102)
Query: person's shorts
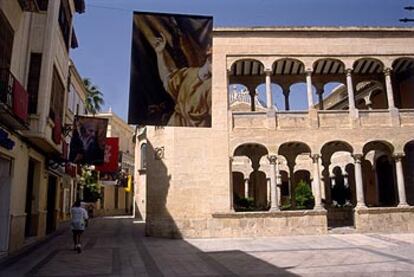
point(78, 226)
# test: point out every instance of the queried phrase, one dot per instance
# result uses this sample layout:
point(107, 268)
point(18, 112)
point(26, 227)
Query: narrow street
point(117, 246)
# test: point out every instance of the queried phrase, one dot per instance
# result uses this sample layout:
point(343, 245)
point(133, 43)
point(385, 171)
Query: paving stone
point(118, 247)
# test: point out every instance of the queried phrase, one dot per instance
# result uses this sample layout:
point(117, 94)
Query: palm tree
point(94, 98)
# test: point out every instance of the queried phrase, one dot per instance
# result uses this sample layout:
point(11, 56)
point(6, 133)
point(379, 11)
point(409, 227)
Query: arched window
point(144, 156)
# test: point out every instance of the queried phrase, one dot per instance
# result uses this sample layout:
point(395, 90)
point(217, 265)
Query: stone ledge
point(384, 210)
point(269, 214)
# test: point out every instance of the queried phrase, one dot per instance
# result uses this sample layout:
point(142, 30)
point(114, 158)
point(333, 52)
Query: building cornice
point(313, 29)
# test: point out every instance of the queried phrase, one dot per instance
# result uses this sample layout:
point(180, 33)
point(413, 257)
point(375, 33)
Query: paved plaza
point(117, 246)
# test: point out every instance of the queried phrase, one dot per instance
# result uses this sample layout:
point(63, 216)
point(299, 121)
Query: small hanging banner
point(111, 156)
point(87, 145)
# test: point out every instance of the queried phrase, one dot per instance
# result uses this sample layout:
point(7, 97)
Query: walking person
point(79, 220)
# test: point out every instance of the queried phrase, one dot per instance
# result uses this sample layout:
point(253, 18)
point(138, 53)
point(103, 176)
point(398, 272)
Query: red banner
point(111, 156)
point(20, 101)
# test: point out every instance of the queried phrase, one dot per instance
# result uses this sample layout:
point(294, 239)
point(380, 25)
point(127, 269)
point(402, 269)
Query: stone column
point(400, 179)
point(274, 205)
point(309, 89)
point(286, 94)
point(358, 181)
point(246, 188)
point(388, 87)
point(350, 87)
point(316, 187)
point(269, 101)
point(269, 194)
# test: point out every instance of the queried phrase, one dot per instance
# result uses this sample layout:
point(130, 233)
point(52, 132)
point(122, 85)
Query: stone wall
point(389, 219)
point(246, 224)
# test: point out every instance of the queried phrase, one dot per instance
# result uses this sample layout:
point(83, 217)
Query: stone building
point(351, 140)
point(35, 39)
point(117, 199)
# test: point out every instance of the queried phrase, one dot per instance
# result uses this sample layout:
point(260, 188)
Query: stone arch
point(258, 189)
point(257, 183)
point(380, 184)
point(290, 151)
point(408, 170)
point(378, 144)
point(238, 185)
point(286, 72)
point(328, 75)
point(246, 67)
point(288, 66)
point(368, 66)
point(328, 150)
point(403, 82)
point(329, 66)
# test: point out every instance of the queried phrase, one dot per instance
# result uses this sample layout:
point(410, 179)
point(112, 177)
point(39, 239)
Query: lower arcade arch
point(378, 171)
point(250, 192)
point(408, 167)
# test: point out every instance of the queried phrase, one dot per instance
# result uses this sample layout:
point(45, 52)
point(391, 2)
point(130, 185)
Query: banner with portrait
point(111, 156)
point(87, 145)
point(171, 70)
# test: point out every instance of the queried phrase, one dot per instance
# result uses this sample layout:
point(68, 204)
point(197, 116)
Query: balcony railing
point(14, 101)
point(332, 119)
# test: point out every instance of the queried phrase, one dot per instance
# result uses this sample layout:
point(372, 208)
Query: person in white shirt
point(79, 219)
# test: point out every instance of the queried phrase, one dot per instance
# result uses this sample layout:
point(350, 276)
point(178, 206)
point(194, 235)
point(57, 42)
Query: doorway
point(51, 204)
point(29, 230)
point(5, 185)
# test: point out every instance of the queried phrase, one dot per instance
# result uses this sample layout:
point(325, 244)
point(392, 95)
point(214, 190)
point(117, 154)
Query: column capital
point(315, 157)
point(358, 157)
point(308, 71)
point(268, 72)
point(348, 71)
point(398, 156)
point(272, 159)
point(231, 158)
point(387, 71)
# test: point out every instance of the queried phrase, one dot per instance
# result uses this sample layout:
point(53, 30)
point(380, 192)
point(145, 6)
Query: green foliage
point(303, 196)
point(242, 204)
point(94, 98)
point(91, 187)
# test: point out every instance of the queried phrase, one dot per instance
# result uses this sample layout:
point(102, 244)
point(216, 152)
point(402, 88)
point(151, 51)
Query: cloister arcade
point(340, 179)
point(341, 174)
point(353, 84)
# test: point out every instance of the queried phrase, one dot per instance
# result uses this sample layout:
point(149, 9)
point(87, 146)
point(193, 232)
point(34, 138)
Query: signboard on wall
point(171, 70)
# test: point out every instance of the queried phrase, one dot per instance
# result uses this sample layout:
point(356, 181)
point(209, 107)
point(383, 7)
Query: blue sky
point(104, 30)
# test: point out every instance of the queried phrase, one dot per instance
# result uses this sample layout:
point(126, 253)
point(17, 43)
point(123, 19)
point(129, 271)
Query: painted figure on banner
point(87, 145)
point(171, 70)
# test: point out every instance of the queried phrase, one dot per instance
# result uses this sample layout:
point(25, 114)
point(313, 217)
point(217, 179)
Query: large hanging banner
point(171, 66)
point(111, 156)
point(87, 145)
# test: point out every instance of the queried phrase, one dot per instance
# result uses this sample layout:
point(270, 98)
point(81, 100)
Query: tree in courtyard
point(94, 98)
